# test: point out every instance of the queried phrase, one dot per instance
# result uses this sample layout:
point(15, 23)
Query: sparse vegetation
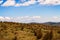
point(30, 31)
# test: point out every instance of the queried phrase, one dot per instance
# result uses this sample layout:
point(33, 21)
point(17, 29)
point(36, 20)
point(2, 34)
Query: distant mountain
point(52, 23)
point(47, 23)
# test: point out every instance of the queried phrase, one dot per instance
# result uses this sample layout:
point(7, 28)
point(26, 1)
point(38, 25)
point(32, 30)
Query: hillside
point(53, 23)
point(28, 31)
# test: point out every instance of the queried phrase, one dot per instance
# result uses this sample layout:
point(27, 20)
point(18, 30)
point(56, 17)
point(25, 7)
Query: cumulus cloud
point(20, 19)
point(29, 2)
point(49, 2)
point(7, 18)
point(55, 17)
point(1, 1)
point(9, 3)
point(26, 3)
point(13, 3)
point(27, 19)
point(1, 18)
point(36, 17)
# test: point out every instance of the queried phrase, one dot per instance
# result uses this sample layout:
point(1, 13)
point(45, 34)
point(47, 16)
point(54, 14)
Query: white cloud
point(1, 1)
point(13, 3)
point(26, 3)
point(20, 19)
point(9, 3)
point(36, 17)
point(1, 18)
point(49, 2)
point(27, 19)
point(7, 18)
point(55, 17)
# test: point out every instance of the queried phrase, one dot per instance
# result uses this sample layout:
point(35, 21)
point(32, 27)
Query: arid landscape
point(29, 19)
point(28, 31)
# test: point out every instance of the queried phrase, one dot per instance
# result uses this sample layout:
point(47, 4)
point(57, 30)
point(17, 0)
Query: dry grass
point(31, 31)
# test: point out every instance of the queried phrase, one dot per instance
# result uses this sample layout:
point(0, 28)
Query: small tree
point(38, 33)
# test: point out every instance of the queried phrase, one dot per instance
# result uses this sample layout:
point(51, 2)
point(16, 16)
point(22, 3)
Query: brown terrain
point(28, 31)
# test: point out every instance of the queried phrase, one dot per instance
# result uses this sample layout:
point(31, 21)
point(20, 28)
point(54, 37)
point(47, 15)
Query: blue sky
point(34, 8)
